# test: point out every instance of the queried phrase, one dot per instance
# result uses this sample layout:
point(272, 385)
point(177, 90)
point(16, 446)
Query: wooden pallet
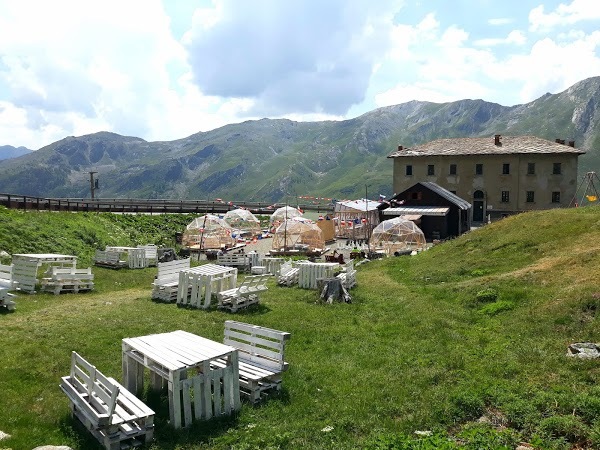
point(244, 295)
point(165, 285)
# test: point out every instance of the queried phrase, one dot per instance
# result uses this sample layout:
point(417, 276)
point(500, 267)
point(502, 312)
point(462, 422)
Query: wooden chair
point(109, 411)
point(261, 357)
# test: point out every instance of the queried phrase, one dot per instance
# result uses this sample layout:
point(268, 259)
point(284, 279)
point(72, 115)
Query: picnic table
point(182, 361)
point(198, 284)
point(26, 265)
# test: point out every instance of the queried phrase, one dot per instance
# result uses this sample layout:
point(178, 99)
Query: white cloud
point(564, 14)
point(515, 37)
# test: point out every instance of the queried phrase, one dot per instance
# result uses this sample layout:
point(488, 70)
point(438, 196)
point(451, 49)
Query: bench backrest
point(169, 271)
point(254, 282)
point(151, 250)
point(69, 271)
point(102, 393)
point(259, 346)
point(6, 277)
point(233, 260)
point(107, 256)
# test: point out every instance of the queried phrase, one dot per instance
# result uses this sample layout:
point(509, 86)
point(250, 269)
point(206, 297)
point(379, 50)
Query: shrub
point(569, 427)
point(487, 295)
point(491, 309)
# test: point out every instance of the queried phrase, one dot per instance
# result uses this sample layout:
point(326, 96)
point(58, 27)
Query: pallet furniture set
point(244, 261)
point(109, 411)
point(109, 259)
point(26, 265)
point(166, 283)
point(246, 294)
point(261, 357)
point(184, 362)
point(61, 280)
point(151, 254)
point(310, 272)
point(288, 274)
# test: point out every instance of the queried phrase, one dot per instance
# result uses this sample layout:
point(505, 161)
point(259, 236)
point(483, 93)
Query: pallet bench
point(110, 412)
point(243, 261)
point(166, 283)
point(63, 280)
point(288, 274)
point(348, 276)
point(109, 259)
point(6, 277)
point(6, 299)
point(151, 254)
point(245, 294)
point(261, 354)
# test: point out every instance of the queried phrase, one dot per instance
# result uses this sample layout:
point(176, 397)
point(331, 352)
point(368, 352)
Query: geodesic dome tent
point(282, 214)
point(298, 234)
point(397, 234)
point(243, 221)
point(208, 231)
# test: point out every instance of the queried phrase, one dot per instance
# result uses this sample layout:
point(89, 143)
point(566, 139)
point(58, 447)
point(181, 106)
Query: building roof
point(486, 146)
point(416, 211)
point(357, 205)
point(445, 193)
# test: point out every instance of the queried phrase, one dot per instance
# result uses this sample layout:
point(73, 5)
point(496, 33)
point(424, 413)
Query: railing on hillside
point(136, 205)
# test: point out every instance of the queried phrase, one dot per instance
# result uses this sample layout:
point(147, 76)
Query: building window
point(530, 196)
point(505, 169)
point(556, 197)
point(430, 169)
point(408, 170)
point(452, 169)
point(505, 197)
point(556, 169)
point(530, 168)
point(478, 169)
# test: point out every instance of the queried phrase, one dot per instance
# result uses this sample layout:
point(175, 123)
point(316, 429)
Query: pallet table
point(183, 360)
point(272, 264)
point(26, 265)
point(198, 284)
point(136, 257)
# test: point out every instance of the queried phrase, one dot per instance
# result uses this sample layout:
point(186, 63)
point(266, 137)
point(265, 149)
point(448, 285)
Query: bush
point(487, 295)
point(569, 427)
point(491, 309)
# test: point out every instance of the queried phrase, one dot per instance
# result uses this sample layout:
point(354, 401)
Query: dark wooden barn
point(438, 212)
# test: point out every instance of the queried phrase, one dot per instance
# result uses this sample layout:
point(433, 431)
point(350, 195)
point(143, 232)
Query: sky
point(163, 70)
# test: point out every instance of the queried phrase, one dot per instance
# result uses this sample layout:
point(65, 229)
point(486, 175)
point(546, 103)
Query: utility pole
point(93, 186)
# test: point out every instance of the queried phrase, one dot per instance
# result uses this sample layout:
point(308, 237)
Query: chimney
point(497, 139)
point(400, 148)
point(572, 144)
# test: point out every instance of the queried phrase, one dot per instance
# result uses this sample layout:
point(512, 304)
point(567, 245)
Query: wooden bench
point(244, 295)
point(166, 283)
point(261, 355)
point(109, 259)
point(63, 280)
point(348, 276)
point(6, 277)
point(110, 412)
point(288, 274)
point(243, 261)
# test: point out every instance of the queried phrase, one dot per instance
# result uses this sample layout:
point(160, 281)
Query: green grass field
point(466, 340)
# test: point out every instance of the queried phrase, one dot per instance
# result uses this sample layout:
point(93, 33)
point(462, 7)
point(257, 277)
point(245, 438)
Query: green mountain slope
point(273, 159)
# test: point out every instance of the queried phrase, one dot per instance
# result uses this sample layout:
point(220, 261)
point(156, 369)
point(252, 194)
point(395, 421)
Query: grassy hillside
point(466, 340)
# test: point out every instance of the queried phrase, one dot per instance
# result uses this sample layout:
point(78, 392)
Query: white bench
point(6, 277)
point(110, 412)
point(288, 274)
point(110, 259)
point(166, 283)
point(151, 254)
point(261, 353)
point(234, 260)
point(244, 295)
point(5, 299)
point(348, 276)
point(68, 280)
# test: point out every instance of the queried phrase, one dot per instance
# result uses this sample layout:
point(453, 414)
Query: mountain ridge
point(273, 159)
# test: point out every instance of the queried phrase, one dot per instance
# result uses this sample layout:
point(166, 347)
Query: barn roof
point(445, 193)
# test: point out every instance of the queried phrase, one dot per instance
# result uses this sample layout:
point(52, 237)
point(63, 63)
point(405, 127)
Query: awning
point(416, 211)
point(412, 217)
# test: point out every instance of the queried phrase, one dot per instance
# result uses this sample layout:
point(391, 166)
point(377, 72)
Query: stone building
point(499, 175)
